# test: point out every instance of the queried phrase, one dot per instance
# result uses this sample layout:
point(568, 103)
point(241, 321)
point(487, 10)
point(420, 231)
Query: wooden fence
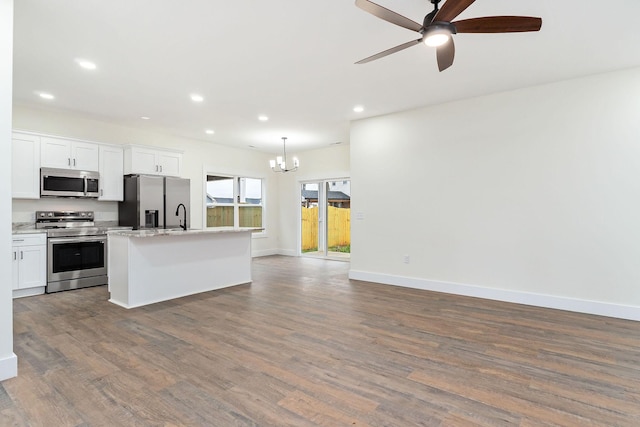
point(222, 216)
point(338, 227)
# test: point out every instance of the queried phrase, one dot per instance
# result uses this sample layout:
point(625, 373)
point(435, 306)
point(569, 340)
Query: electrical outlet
point(406, 259)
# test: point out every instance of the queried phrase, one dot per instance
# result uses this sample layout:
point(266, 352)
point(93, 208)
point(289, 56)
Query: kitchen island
point(149, 266)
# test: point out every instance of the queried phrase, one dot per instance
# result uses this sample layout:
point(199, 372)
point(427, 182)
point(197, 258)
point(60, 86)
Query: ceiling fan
point(437, 28)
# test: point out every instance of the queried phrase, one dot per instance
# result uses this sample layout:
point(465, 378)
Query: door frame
point(322, 216)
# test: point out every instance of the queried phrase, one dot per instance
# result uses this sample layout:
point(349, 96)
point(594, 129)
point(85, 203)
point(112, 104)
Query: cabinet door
point(55, 153)
point(144, 161)
point(15, 282)
point(84, 156)
point(32, 262)
point(170, 163)
point(25, 173)
point(111, 173)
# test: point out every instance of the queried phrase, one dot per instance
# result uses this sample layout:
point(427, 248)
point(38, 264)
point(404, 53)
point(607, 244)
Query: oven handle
point(85, 183)
point(101, 239)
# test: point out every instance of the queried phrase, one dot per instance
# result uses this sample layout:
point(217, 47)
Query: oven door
point(76, 257)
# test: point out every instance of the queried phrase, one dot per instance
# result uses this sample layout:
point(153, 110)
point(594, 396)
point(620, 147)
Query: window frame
point(236, 201)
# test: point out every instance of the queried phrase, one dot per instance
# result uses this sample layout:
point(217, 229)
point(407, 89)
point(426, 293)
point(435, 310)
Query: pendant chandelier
point(280, 163)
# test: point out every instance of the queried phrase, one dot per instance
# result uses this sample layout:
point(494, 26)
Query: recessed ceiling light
point(145, 118)
point(87, 65)
point(45, 95)
point(263, 118)
point(358, 108)
point(209, 131)
point(197, 98)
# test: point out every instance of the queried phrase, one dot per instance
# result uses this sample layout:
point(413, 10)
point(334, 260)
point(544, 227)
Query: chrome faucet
point(183, 226)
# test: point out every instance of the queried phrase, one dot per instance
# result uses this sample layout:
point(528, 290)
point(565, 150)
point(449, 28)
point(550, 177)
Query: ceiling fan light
point(436, 38)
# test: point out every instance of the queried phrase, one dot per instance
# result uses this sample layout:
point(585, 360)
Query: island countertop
point(156, 232)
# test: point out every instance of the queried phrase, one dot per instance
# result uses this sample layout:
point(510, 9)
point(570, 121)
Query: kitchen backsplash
point(23, 211)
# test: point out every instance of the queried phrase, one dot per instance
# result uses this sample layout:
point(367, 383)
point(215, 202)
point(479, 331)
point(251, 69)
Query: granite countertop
point(155, 232)
point(25, 228)
point(30, 227)
point(28, 231)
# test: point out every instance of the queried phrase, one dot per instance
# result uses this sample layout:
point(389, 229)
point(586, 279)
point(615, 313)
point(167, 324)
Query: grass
point(343, 249)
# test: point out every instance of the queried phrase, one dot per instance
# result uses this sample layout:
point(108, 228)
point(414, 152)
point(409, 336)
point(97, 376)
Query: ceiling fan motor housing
point(436, 29)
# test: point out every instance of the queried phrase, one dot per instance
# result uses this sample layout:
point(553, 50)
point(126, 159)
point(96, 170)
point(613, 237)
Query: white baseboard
point(20, 293)
point(8, 367)
point(619, 311)
point(264, 252)
point(288, 252)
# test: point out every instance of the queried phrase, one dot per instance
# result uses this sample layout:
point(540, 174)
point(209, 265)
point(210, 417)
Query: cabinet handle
point(21, 255)
point(18, 240)
point(74, 162)
point(101, 192)
point(160, 168)
point(156, 168)
point(15, 255)
point(69, 161)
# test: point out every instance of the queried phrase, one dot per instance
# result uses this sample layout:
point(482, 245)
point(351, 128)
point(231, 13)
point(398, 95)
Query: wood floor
point(304, 346)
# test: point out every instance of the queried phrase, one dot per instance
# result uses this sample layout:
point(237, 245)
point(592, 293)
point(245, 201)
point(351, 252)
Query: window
point(234, 201)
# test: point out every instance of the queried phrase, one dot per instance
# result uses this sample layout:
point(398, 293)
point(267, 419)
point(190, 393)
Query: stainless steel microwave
point(69, 183)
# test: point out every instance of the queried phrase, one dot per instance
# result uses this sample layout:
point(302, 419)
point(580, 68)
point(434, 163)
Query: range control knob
point(50, 214)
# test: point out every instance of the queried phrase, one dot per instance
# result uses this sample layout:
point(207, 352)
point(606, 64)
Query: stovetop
point(70, 224)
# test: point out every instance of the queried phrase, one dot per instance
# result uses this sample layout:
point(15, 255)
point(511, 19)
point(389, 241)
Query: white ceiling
point(292, 60)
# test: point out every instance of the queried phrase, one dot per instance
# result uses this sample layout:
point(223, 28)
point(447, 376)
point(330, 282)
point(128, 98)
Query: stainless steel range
point(76, 250)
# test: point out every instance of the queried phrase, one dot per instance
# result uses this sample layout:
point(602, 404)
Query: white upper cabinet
point(25, 172)
point(69, 154)
point(170, 163)
point(152, 161)
point(111, 173)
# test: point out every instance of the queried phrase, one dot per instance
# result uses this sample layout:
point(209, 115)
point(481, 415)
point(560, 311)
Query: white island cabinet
point(149, 266)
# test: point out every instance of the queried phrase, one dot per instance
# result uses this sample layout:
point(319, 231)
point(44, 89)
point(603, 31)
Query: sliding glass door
point(326, 219)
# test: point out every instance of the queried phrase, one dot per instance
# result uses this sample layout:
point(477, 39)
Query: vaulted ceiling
point(291, 60)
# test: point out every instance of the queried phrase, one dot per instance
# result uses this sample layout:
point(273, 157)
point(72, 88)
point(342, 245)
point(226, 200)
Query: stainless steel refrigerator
point(152, 202)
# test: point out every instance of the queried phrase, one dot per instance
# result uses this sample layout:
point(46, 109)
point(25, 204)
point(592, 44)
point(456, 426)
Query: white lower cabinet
point(29, 264)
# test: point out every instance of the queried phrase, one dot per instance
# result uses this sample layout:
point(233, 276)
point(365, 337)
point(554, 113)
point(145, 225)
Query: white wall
point(198, 156)
point(324, 163)
point(8, 360)
point(530, 196)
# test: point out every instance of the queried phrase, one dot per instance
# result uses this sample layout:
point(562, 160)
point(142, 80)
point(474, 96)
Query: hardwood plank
point(304, 346)
point(317, 411)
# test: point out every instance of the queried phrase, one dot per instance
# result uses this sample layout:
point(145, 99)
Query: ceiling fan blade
point(389, 51)
point(388, 15)
point(451, 9)
point(498, 24)
point(445, 54)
